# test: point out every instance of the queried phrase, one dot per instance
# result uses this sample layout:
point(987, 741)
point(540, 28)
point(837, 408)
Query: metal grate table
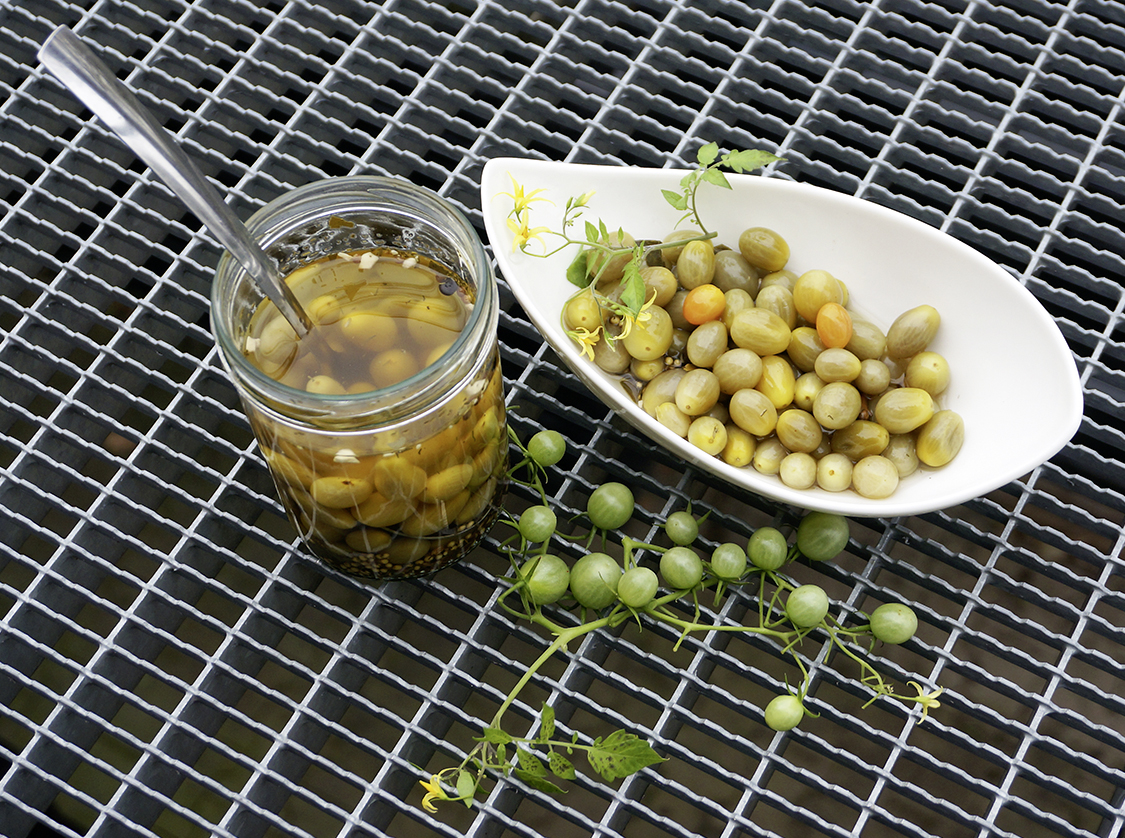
point(172, 664)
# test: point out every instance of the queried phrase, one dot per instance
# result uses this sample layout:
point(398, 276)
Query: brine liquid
point(398, 502)
point(378, 318)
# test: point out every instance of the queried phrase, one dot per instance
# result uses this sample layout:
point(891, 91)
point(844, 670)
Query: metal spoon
point(93, 84)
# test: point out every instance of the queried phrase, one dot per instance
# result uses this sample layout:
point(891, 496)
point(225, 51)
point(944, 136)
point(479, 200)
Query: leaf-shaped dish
point(1014, 381)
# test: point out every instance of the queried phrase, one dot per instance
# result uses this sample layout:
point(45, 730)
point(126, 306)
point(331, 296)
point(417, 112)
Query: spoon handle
point(93, 84)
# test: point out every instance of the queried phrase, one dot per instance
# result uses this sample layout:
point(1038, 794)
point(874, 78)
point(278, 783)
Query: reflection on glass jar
point(384, 427)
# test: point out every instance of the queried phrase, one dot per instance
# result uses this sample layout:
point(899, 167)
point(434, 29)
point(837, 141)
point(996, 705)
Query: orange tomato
point(703, 304)
point(833, 325)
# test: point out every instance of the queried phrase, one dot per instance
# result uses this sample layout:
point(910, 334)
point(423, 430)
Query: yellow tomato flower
point(434, 791)
point(520, 201)
point(927, 700)
point(524, 233)
point(586, 339)
point(628, 318)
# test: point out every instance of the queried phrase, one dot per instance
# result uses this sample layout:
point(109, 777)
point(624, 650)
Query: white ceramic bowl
point(1014, 381)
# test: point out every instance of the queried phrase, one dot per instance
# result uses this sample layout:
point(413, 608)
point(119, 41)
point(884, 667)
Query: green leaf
point(676, 199)
point(707, 154)
point(546, 723)
point(748, 161)
point(621, 754)
point(540, 783)
point(501, 754)
point(560, 766)
point(495, 736)
point(466, 784)
point(591, 232)
point(716, 178)
point(576, 271)
point(633, 284)
point(530, 763)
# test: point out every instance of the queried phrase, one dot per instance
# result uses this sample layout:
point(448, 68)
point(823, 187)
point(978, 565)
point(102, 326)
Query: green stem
point(688, 625)
point(562, 638)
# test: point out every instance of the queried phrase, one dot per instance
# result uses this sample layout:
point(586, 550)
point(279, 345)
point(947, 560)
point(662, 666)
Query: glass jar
point(382, 481)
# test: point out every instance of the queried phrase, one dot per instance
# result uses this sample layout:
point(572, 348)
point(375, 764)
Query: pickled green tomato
point(763, 248)
point(860, 439)
point(582, 311)
point(752, 411)
point(734, 301)
point(804, 348)
point(904, 410)
point(670, 255)
point(707, 343)
point(594, 579)
point(779, 300)
point(613, 357)
point(696, 264)
point(768, 456)
point(834, 472)
point(777, 382)
point(760, 330)
point(799, 431)
point(912, 331)
point(650, 339)
point(708, 434)
point(733, 272)
point(940, 439)
point(837, 405)
point(681, 568)
point(697, 392)
point(875, 477)
point(813, 289)
point(661, 282)
point(737, 369)
point(767, 548)
point(797, 470)
point(928, 371)
point(822, 535)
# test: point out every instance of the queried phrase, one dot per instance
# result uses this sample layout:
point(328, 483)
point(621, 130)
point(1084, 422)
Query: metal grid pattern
point(172, 665)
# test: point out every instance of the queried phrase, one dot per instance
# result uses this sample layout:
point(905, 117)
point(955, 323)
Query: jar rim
point(344, 196)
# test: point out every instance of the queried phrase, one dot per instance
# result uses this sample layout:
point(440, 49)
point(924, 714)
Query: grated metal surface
point(171, 665)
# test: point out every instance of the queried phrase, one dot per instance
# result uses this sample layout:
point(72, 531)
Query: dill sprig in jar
point(384, 427)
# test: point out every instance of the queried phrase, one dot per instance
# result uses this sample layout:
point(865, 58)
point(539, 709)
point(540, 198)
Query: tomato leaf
point(591, 232)
point(716, 178)
point(540, 783)
point(633, 284)
point(576, 271)
point(531, 764)
point(560, 766)
point(546, 723)
point(747, 161)
point(466, 785)
point(495, 736)
point(621, 754)
point(676, 199)
point(707, 154)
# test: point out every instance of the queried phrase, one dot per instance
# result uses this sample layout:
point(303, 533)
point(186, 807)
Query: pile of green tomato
point(599, 582)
